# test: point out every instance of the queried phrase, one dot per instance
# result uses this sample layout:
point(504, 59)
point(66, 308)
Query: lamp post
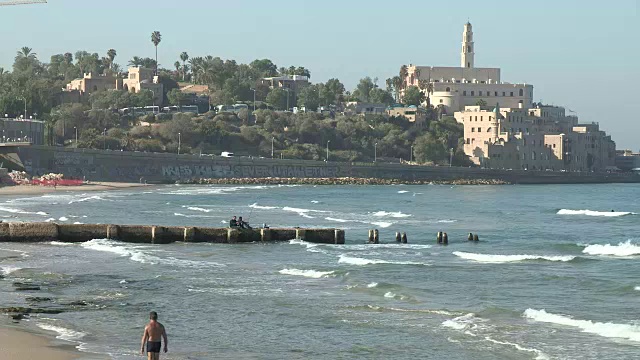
point(450, 157)
point(411, 155)
point(375, 152)
point(179, 142)
point(272, 140)
point(254, 99)
point(104, 139)
point(76, 130)
point(328, 141)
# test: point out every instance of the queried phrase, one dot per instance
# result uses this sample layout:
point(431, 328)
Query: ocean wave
point(403, 192)
point(594, 213)
point(361, 261)
point(23, 212)
point(609, 330)
point(382, 224)
point(63, 333)
point(489, 258)
point(256, 206)
point(338, 220)
point(464, 322)
point(303, 243)
point(303, 212)
point(622, 249)
point(195, 216)
point(307, 273)
point(397, 214)
point(390, 295)
point(62, 218)
point(424, 311)
point(213, 190)
point(193, 208)
point(447, 221)
point(60, 243)
point(95, 197)
point(540, 354)
point(372, 285)
point(315, 201)
point(8, 269)
point(367, 247)
point(637, 288)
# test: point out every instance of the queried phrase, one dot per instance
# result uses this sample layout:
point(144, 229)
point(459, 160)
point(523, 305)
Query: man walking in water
point(153, 332)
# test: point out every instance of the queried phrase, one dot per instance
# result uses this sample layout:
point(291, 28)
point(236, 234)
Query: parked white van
point(226, 154)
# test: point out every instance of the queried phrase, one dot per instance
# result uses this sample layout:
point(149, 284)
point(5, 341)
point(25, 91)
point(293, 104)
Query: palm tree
point(26, 53)
point(177, 65)
point(397, 86)
point(404, 72)
point(184, 57)
point(111, 54)
point(135, 61)
point(156, 37)
point(427, 87)
point(68, 58)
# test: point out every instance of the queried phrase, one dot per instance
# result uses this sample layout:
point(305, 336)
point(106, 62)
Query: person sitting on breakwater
point(233, 223)
point(243, 224)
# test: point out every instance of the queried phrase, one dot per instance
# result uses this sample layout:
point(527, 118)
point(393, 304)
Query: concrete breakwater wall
point(98, 165)
point(151, 234)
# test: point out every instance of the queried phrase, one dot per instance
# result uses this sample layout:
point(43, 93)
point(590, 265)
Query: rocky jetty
point(338, 181)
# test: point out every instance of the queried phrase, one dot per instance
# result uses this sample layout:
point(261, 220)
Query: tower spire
point(467, 56)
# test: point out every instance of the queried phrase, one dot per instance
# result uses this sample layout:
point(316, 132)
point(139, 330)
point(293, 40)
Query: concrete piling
point(445, 239)
point(470, 237)
point(376, 237)
point(476, 238)
point(404, 237)
point(398, 237)
point(370, 236)
point(439, 237)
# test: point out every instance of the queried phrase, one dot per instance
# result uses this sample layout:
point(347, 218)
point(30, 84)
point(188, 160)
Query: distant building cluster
point(503, 128)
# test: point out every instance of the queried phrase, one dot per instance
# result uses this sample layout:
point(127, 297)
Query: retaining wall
point(99, 165)
point(151, 234)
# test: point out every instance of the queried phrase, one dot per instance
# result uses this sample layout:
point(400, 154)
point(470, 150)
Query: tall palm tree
point(111, 54)
point(26, 53)
point(397, 86)
point(68, 58)
point(177, 65)
point(404, 72)
point(427, 87)
point(156, 38)
point(184, 57)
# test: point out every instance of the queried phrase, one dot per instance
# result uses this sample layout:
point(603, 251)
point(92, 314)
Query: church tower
point(467, 47)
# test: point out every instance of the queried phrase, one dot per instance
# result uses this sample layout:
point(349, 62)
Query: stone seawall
point(98, 165)
point(152, 234)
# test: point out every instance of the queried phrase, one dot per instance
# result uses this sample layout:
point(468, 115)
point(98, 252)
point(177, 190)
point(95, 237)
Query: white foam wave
point(8, 269)
point(464, 322)
point(609, 330)
point(594, 213)
point(23, 212)
point(338, 220)
point(367, 247)
point(637, 288)
point(622, 249)
point(63, 333)
point(307, 273)
point(361, 261)
point(496, 259)
point(315, 201)
point(256, 206)
point(403, 192)
point(397, 214)
point(540, 354)
point(447, 221)
point(95, 197)
point(302, 212)
point(303, 243)
point(382, 224)
point(50, 220)
point(193, 208)
point(389, 295)
point(372, 285)
point(63, 219)
point(60, 243)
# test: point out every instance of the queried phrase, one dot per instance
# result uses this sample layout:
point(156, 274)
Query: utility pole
point(328, 141)
point(375, 152)
point(450, 157)
point(179, 142)
point(272, 140)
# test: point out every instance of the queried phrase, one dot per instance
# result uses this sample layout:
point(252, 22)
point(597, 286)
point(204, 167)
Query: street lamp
point(375, 152)
point(450, 156)
point(272, 140)
point(179, 142)
point(104, 139)
point(76, 129)
point(328, 141)
point(411, 155)
point(254, 99)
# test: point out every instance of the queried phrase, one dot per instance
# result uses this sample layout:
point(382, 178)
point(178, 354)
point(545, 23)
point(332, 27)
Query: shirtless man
point(153, 332)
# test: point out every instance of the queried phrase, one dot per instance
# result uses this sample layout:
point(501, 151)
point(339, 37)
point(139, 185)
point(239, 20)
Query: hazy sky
point(583, 55)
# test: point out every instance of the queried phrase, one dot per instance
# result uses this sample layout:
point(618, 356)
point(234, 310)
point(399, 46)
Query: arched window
point(448, 89)
point(468, 141)
point(468, 64)
point(488, 129)
point(469, 48)
point(533, 155)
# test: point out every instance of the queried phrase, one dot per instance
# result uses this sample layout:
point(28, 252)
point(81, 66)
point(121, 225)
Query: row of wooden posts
point(442, 238)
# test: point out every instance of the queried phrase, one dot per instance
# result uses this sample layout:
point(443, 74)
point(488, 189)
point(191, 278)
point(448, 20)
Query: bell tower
point(467, 55)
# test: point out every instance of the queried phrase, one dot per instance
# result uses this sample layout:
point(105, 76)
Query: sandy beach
point(94, 186)
point(18, 344)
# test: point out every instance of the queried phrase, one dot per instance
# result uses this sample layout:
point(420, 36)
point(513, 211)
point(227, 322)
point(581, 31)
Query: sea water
point(554, 276)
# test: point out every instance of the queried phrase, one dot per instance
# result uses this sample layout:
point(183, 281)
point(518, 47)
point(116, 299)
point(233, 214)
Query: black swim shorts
point(153, 346)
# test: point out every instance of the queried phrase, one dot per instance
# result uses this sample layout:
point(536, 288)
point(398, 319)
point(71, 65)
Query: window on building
point(473, 129)
point(504, 93)
point(476, 118)
point(464, 93)
point(524, 141)
point(512, 93)
point(554, 146)
point(524, 156)
point(480, 118)
point(495, 94)
point(533, 155)
point(469, 48)
point(521, 93)
point(520, 102)
point(468, 64)
point(472, 93)
point(488, 129)
point(480, 93)
point(468, 141)
point(448, 89)
point(473, 140)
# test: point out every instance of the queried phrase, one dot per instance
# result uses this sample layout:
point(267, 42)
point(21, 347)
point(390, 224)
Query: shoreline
point(21, 343)
point(93, 186)
point(336, 181)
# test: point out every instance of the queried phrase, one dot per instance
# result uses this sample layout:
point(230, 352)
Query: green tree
point(184, 57)
point(380, 96)
point(277, 98)
point(309, 97)
point(156, 38)
point(111, 55)
point(481, 103)
point(363, 89)
point(177, 97)
point(413, 96)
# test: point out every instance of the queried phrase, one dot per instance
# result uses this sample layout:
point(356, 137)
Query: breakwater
point(338, 181)
point(122, 166)
point(151, 234)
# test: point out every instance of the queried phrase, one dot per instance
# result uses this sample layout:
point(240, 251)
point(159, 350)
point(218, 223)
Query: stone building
point(415, 115)
point(91, 82)
point(140, 78)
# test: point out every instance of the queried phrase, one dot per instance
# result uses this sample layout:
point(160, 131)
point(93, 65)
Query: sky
point(583, 55)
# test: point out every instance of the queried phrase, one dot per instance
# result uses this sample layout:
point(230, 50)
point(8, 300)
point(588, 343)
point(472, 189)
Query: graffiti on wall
point(78, 159)
point(248, 171)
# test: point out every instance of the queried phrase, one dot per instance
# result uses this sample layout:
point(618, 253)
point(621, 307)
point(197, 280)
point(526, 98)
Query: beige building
point(293, 82)
point(541, 138)
point(91, 83)
point(144, 79)
point(415, 115)
point(454, 88)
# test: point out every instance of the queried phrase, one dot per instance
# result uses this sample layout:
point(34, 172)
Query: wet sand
point(94, 186)
point(18, 344)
